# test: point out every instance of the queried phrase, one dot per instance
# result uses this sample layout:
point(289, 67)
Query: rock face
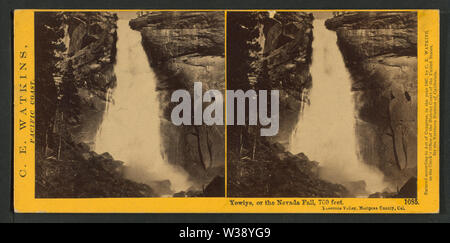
point(380, 51)
point(91, 42)
point(287, 51)
point(183, 48)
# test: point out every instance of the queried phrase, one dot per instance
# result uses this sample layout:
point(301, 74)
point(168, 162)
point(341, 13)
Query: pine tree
point(49, 32)
point(263, 81)
point(70, 101)
point(242, 31)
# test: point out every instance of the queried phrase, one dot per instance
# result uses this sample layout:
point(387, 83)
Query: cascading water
point(326, 128)
point(130, 130)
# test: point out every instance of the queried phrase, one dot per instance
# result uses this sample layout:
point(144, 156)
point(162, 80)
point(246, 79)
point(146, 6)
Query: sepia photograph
point(104, 82)
point(347, 85)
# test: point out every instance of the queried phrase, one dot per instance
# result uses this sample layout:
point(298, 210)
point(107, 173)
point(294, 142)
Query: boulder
point(302, 156)
point(409, 190)
point(216, 188)
point(281, 156)
point(180, 194)
point(278, 147)
point(383, 195)
point(106, 156)
point(84, 147)
point(86, 156)
point(194, 193)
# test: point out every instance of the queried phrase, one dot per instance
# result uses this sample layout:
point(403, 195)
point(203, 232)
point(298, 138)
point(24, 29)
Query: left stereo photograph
point(103, 104)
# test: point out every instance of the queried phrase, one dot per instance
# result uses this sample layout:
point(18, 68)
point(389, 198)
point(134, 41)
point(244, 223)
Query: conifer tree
point(48, 43)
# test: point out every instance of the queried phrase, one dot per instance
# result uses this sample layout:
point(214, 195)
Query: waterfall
point(325, 131)
point(130, 130)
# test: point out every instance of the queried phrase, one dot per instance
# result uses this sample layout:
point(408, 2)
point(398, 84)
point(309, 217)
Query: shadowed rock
point(409, 190)
point(216, 188)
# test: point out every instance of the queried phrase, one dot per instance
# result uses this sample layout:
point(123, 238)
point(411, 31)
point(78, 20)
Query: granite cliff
point(380, 51)
point(183, 48)
point(91, 51)
point(287, 52)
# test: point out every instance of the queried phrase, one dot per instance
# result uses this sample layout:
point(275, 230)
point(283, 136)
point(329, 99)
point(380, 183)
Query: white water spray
point(130, 130)
point(326, 128)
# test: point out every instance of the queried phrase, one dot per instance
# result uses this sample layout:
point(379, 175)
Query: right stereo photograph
point(346, 104)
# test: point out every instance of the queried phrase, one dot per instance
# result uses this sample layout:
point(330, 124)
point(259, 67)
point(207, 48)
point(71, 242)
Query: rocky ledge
point(85, 174)
point(276, 172)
